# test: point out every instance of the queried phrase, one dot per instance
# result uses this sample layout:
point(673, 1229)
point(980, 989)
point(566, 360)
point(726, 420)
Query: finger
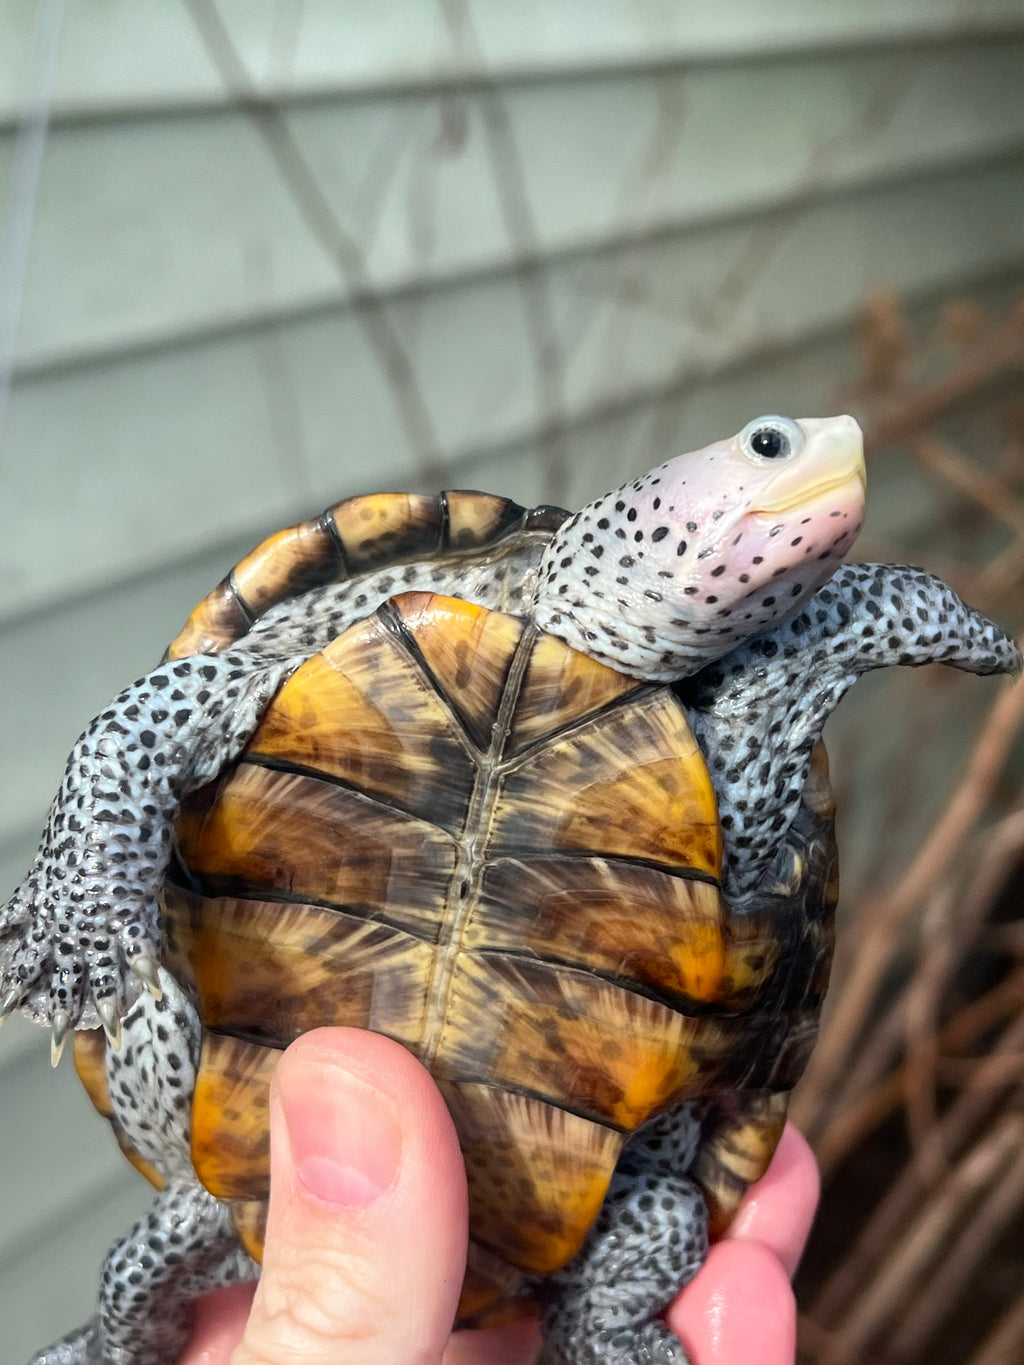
point(220, 1321)
point(778, 1211)
point(366, 1233)
point(739, 1308)
point(217, 1325)
point(516, 1344)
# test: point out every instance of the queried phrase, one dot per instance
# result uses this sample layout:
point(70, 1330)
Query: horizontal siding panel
point(40, 1109)
point(62, 666)
point(48, 1281)
point(115, 52)
point(155, 229)
point(141, 460)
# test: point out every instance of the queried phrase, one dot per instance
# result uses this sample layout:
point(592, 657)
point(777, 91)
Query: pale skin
point(367, 1233)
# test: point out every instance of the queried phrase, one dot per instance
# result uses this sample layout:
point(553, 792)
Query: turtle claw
point(59, 1036)
point(111, 1021)
point(8, 1005)
point(148, 973)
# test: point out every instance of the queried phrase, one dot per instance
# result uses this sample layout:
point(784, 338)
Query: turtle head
point(673, 569)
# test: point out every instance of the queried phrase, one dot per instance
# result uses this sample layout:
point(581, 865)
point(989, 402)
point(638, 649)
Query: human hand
point(366, 1243)
point(740, 1306)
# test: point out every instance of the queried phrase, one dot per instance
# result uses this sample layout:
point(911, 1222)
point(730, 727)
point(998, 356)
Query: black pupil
point(769, 442)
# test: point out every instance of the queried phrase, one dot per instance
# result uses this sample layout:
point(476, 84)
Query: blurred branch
point(915, 1182)
point(919, 1077)
point(928, 1235)
point(1002, 1345)
point(988, 491)
point(858, 1117)
point(29, 145)
point(881, 918)
point(934, 1299)
point(531, 273)
point(308, 195)
point(901, 417)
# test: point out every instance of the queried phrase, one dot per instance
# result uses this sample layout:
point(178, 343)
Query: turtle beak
point(832, 458)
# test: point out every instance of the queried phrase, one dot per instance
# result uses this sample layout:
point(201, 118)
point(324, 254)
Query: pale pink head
point(676, 567)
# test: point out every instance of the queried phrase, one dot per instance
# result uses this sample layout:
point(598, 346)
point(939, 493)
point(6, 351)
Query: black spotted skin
point(89, 897)
point(676, 567)
point(649, 1240)
point(759, 712)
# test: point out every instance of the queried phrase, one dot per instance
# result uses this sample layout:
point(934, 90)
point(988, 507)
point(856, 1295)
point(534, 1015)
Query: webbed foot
point(80, 1347)
point(72, 966)
point(652, 1344)
point(649, 1240)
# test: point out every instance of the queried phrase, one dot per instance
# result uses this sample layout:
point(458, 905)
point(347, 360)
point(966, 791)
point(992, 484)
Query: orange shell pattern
point(458, 832)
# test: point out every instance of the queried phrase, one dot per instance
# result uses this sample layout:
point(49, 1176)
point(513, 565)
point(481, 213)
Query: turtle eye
point(771, 438)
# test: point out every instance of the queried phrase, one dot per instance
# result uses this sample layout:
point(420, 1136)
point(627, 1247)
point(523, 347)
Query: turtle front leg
point(80, 935)
point(184, 1247)
point(758, 712)
point(649, 1240)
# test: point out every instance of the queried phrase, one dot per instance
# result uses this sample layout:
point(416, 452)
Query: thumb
point(366, 1232)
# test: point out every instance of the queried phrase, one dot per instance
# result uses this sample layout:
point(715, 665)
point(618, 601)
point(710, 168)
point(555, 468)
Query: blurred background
point(258, 255)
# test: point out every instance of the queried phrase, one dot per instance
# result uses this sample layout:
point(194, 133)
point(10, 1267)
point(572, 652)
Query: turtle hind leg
point(80, 1347)
point(184, 1247)
point(649, 1240)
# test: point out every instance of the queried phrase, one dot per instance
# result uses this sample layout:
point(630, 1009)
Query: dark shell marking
point(329, 562)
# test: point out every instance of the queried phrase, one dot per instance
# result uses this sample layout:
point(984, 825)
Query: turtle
point(539, 794)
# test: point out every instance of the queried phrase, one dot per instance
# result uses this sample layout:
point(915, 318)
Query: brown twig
point(856, 1120)
point(921, 1023)
point(881, 918)
point(927, 1235)
point(913, 411)
point(988, 491)
point(937, 1298)
point(955, 1128)
point(1002, 1345)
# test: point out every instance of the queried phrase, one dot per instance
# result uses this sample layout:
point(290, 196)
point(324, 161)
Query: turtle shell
point(354, 537)
point(455, 830)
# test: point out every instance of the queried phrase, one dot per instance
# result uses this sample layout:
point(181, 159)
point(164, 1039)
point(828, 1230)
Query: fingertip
point(384, 1065)
point(741, 1296)
point(794, 1157)
point(405, 1118)
point(779, 1210)
point(516, 1344)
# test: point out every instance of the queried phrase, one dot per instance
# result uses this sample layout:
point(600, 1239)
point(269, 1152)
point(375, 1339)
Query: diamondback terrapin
point(429, 766)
